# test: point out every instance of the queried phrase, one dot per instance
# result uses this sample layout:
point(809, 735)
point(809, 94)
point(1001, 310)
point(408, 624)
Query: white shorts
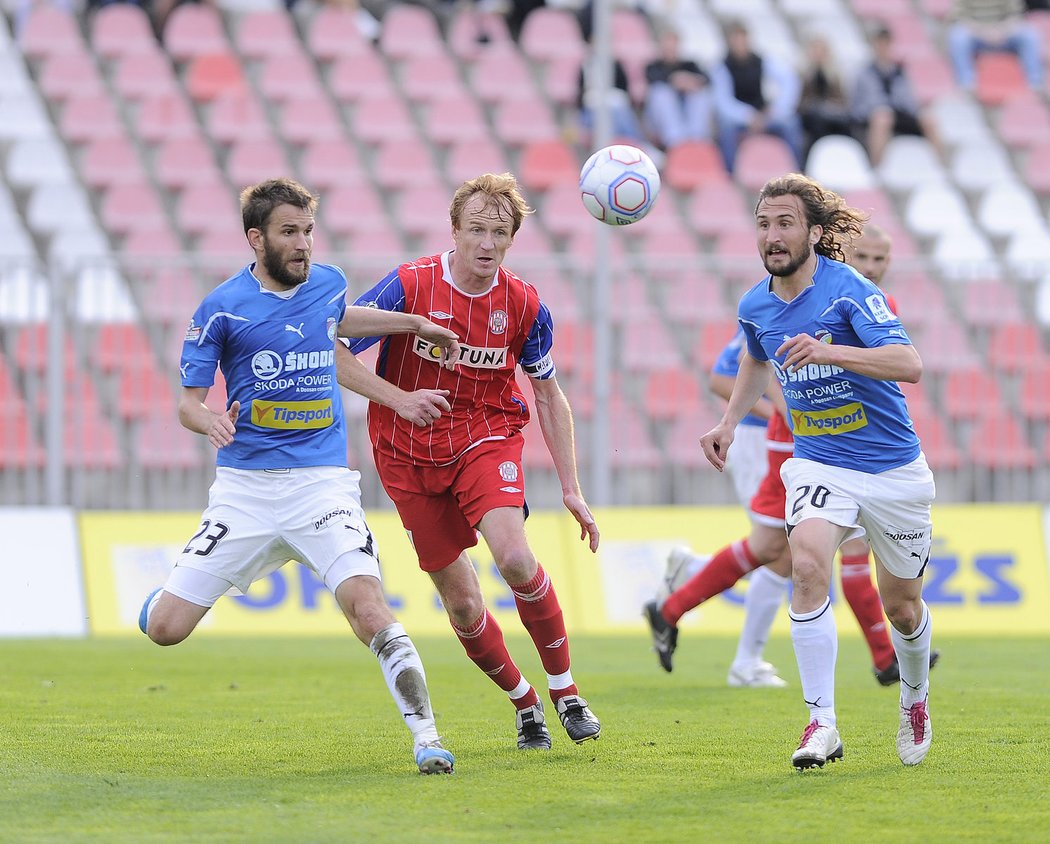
point(747, 462)
point(257, 520)
point(892, 508)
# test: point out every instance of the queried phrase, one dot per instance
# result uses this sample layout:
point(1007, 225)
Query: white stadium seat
point(910, 161)
point(841, 163)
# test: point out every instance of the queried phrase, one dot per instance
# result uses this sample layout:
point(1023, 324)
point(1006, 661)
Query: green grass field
point(296, 740)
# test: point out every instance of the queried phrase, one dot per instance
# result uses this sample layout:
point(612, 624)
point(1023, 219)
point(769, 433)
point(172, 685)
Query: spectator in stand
point(678, 97)
point(883, 101)
point(993, 26)
point(824, 105)
point(754, 95)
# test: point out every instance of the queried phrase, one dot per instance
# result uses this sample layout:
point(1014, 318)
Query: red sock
point(863, 598)
point(723, 570)
point(484, 644)
point(541, 614)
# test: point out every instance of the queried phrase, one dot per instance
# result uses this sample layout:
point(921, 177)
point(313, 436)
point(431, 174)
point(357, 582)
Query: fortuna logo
point(477, 357)
point(439, 315)
point(298, 330)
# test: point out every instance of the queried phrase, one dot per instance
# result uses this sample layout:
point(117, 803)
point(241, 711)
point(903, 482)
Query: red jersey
point(498, 329)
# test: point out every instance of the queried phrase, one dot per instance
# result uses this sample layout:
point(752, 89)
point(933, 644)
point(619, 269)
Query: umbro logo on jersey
point(295, 330)
point(509, 489)
point(439, 315)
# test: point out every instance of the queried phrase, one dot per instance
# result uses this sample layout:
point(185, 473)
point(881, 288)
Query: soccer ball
point(619, 184)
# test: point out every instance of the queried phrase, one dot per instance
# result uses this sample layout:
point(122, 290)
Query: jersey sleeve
point(536, 360)
point(728, 362)
point(202, 346)
point(874, 320)
point(387, 295)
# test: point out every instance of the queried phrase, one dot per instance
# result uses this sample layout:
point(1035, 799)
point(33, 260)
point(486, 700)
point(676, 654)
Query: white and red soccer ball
point(619, 184)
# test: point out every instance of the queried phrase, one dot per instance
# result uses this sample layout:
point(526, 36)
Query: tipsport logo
point(288, 415)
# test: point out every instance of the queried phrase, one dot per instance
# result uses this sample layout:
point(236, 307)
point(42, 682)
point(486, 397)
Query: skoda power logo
point(266, 365)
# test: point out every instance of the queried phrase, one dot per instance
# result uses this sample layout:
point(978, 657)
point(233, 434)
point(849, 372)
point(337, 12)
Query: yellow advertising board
point(987, 573)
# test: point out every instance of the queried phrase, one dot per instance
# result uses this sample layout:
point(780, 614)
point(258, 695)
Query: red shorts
point(441, 506)
point(768, 503)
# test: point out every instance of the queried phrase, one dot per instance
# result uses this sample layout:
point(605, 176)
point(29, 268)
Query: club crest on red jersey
point(498, 322)
point(508, 470)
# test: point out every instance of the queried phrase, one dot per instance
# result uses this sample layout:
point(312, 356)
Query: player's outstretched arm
point(555, 418)
point(893, 362)
point(194, 414)
point(360, 321)
point(420, 407)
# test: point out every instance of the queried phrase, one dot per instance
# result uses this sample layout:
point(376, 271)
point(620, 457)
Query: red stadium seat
point(718, 208)
point(169, 298)
point(562, 212)
point(50, 31)
point(1023, 120)
point(140, 76)
point(192, 30)
point(122, 345)
point(970, 392)
point(266, 33)
point(237, 115)
point(693, 164)
point(353, 209)
point(145, 392)
point(112, 161)
point(89, 118)
point(404, 163)
point(121, 29)
point(668, 391)
point(89, 441)
point(384, 121)
point(145, 246)
point(695, 298)
point(944, 345)
point(20, 446)
point(631, 443)
point(309, 118)
point(545, 164)
point(932, 77)
point(162, 443)
point(202, 208)
point(1014, 346)
point(422, 210)
point(251, 161)
point(410, 31)
point(682, 444)
point(999, 77)
point(997, 441)
point(210, 75)
point(454, 122)
point(632, 37)
point(66, 76)
point(549, 33)
point(329, 163)
point(31, 349)
point(1036, 168)
point(1033, 392)
point(986, 303)
point(430, 79)
point(333, 34)
point(352, 79)
point(501, 74)
point(648, 345)
point(131, 206)
point(559, 83)
point(713, 337)
point(761, 157)
point(937, 444)
point(287, 77)
point(185, 161)
point(525, 122)
point(471, 158)
point(472, 31)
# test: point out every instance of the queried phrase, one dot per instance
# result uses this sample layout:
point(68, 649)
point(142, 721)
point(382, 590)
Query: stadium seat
point(759, 158)
point(131, 206)
point(978, 166)
point(1005, 208)
point(934, 209)
point(56, 207)
point(1013, 346)
point(545, 164)
point(333, 34)
point(937, 444)
point(525, 122)
point(65, 76)
point(352, 210)
point(945, 345)
point(144, 392)
point(1036, 173)
point(695, 298)
point(31, 349)
point(168, 297)
point(20, 446)
point(185, 161)
point(473, 30)
point(237, 115)
point(1025, 254)
point(1023, 120)
point(192, 30)
point(693, 164)
point(121, 29)
point(909, 161)
point(422, 210)
point(1033, 393)
point(50, 31)
point(265, 34)
point(210, 75)
point(352, 79)
point(455, 121)
point(632, 445)
point(23, 292)
point(998, 441)
point(670, 390)
point(25, 116)
point(563, 213)
point(89, 441)
point(990, 302)
point(960, 120)
point(964, 254)
point(501, 74)
point(119, 346)
point(287, 77)
point(682, 443)
point(37, 161)
point(404, 163)
point(384, 121)
point(840, 163)
point(432, 79)
point(307, 119)
point(999, 77)
point(251, 161)
point(142, 76)
point(969, 392)
point(717, 208)
point(107, 162)
point(931, 75)
point(87, 118)
point(410, 31)
point(204, 207)
point(162, 443)
point(710, 340)
point(632, 37)
point(550, 33)
point(328, 163)
point(147, 246)
point(467, 159)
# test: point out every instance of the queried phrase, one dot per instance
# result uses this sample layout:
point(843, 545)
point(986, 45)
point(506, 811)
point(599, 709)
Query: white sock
point(913, 657)
point(404, 675)
point(559, 681)
point(765, 594)
point(816, 644)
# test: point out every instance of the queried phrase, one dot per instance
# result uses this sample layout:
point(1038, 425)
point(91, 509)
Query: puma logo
point(295, 330)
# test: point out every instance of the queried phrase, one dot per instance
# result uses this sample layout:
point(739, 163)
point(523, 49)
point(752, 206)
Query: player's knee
point(166, 631)
point(904, 614)
point(809, 575)
point(517, 564)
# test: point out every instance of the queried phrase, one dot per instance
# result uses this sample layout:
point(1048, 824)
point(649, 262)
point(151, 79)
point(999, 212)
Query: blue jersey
point(838, 417)
point(277, 355)
point(728, 363)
